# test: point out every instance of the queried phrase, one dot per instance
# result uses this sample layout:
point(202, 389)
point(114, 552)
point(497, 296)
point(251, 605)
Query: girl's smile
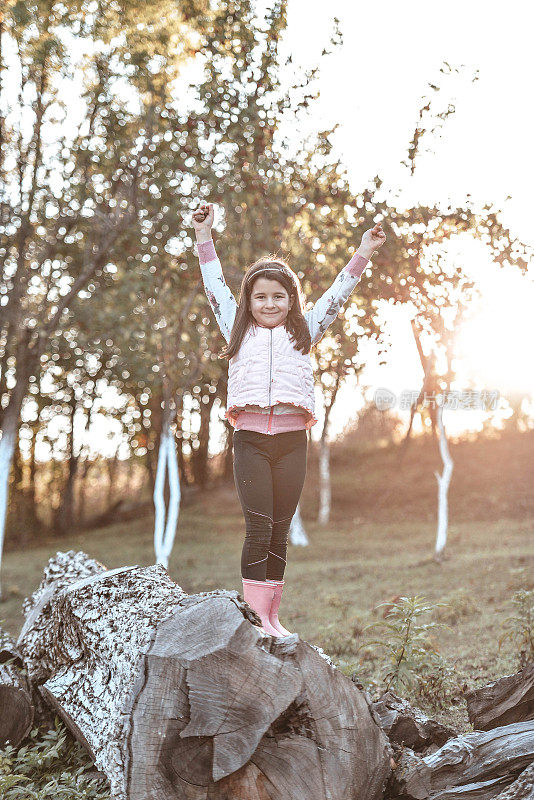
point(269, 301)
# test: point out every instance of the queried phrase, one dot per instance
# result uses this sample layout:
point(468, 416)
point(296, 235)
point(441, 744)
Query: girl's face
point(269, 302)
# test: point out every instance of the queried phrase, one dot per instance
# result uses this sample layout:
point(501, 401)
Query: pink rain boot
point(273, 614)
point(259, 596)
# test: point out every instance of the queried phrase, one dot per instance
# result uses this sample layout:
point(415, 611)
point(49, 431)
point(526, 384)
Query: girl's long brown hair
point(295, 322)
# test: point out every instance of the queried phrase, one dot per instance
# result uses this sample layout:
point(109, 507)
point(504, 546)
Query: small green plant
point(520, 626)
point(51, 765)
point(411, 659)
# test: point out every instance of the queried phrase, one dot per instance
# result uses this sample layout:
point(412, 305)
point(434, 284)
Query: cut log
point(475, 766)
point(17, 711)
point(509, 699)
point(178, 696)
point(408, 726)
point(522, 788)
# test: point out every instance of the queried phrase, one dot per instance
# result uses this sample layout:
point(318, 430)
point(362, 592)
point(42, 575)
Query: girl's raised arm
point(217, 291)
point(329, 304)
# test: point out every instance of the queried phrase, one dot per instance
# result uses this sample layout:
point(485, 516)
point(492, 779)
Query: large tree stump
point(16, 707)
point(474, 766)
point(509, 699)
point(178, 696)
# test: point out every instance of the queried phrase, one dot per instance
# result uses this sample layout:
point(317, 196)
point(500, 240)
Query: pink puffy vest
point(267, 369)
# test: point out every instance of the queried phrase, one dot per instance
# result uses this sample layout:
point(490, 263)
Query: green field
point(334, 585)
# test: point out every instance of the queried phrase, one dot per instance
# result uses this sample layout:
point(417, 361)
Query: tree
point(72, 179)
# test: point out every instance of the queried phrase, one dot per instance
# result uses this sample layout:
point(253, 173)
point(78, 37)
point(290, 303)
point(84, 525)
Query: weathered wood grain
point(178, 696)
point(16, 706)
point(522, 788)
point(509, 699)
point(407, 725)
point(475, 766)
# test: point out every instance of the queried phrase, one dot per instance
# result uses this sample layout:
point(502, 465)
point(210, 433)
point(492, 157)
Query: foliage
point(411, 661)
point(520, 626)
point(50, 765)
point(106, 152)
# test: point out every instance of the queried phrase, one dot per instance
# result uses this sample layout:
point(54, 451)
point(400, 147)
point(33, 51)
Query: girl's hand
point(203, 217)
point(372, 239)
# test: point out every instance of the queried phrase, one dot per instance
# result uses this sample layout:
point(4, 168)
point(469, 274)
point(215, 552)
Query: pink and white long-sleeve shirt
point(283, 417)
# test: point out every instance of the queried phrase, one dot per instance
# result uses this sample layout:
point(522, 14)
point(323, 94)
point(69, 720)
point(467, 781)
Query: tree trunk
point(522, 788)
point(7, 448)
point(111, 468)
point(182, 469)
point(443, 488)
point(297, 532)
point(15, 695)
point(65, 511)
point(166, 519)
point(325, 494)
point(180, 696)
point(82, 496)
point(228, 473)
point(32, 489)
point(475, 766)
point(407, 725)
point(199, 457)
point(510, 699)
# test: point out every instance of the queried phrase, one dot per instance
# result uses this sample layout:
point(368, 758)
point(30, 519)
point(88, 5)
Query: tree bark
point(522, 788)
point(228, 455)
point(15, 695)
point(443, 488)
point(297, 531)
point(199, 457)
point(510, 699)
point(475, 766)
point(65, 512)
point(166, 518)
point(407, 725)
point(180, 696)
point(7, 449)
point(325, 494)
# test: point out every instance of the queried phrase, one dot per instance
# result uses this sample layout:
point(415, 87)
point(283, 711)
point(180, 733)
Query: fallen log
point(407, 725)
point(180, 696)
point(474, 766)
point(522, 788)
point(501, 702)
point(17, 711)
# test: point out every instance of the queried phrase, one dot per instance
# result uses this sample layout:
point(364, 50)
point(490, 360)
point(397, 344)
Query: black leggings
point(269, 473)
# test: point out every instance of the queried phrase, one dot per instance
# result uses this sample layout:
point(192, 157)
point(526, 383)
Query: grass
point(334, 585)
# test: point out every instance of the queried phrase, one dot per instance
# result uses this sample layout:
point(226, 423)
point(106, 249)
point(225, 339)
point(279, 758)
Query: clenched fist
point(203, 217)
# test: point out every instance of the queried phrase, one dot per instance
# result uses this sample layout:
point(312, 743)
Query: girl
point(270, 398)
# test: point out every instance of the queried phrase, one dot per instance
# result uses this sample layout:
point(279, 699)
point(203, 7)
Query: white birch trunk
point(297, 532)
point(325, 496)
point(443, 487)
point(7, 449)
point(174, 501)
point(165, 531)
